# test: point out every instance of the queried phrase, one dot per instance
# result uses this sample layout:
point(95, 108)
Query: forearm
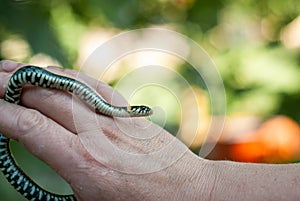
point(243, 181)
point(226, 180)
point(193, 178)
point(188, 178)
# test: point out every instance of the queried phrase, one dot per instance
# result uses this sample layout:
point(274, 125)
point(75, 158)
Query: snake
point(37, 76)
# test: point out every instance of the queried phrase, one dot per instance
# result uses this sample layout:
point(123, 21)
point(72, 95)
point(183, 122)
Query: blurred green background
point(255, 45)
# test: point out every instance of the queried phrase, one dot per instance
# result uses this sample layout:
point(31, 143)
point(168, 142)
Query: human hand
point(102, 158)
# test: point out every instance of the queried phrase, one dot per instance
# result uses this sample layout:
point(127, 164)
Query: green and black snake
point(34, 75)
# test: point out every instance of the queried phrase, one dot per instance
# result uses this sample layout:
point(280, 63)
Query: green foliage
point(243, 37)
point(31, 22)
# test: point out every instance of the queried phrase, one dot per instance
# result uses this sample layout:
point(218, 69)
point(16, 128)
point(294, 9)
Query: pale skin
point(40, 122)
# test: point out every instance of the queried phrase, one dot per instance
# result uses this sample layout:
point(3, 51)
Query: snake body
point(34, 75)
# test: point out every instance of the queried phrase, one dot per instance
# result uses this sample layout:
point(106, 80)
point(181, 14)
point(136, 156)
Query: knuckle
point(29, 120)
point(48, 95)
point(4, 77)
point(60, 100)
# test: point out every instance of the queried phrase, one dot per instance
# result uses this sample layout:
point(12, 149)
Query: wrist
point(198, 177)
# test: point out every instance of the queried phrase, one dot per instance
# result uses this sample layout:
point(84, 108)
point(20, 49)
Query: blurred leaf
point(205, 13)
point(31, 20)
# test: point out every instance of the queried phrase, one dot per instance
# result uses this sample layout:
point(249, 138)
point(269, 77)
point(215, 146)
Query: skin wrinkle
point(137, 146)
point(24, 120)
point(186, 177)
point(85, 158)
point(119, 139)
point(215, 181)
point(167, 179)
point(122, 142)
point(93, 172)
point(27, 121)
point(35, 122)
point(151, 182)
point(50, 95)
point(4, 77)
point(53, 97)
point(86, 163)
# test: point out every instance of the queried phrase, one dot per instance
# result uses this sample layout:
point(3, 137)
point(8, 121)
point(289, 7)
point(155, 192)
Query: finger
point(9, 66)
point(6, 67)
point(4, 77)
point(40, 135)
point(102, 88)
point(59, 105)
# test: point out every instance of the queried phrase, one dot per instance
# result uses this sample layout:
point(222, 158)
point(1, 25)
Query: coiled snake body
point(40, 77)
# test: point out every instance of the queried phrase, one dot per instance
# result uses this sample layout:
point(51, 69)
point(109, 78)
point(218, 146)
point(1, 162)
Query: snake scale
point(37, 76)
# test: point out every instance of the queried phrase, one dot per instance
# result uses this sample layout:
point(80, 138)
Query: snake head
point(139, 111)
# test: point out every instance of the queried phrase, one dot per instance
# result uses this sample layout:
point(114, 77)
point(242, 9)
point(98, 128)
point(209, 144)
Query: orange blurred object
point(275, 141)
